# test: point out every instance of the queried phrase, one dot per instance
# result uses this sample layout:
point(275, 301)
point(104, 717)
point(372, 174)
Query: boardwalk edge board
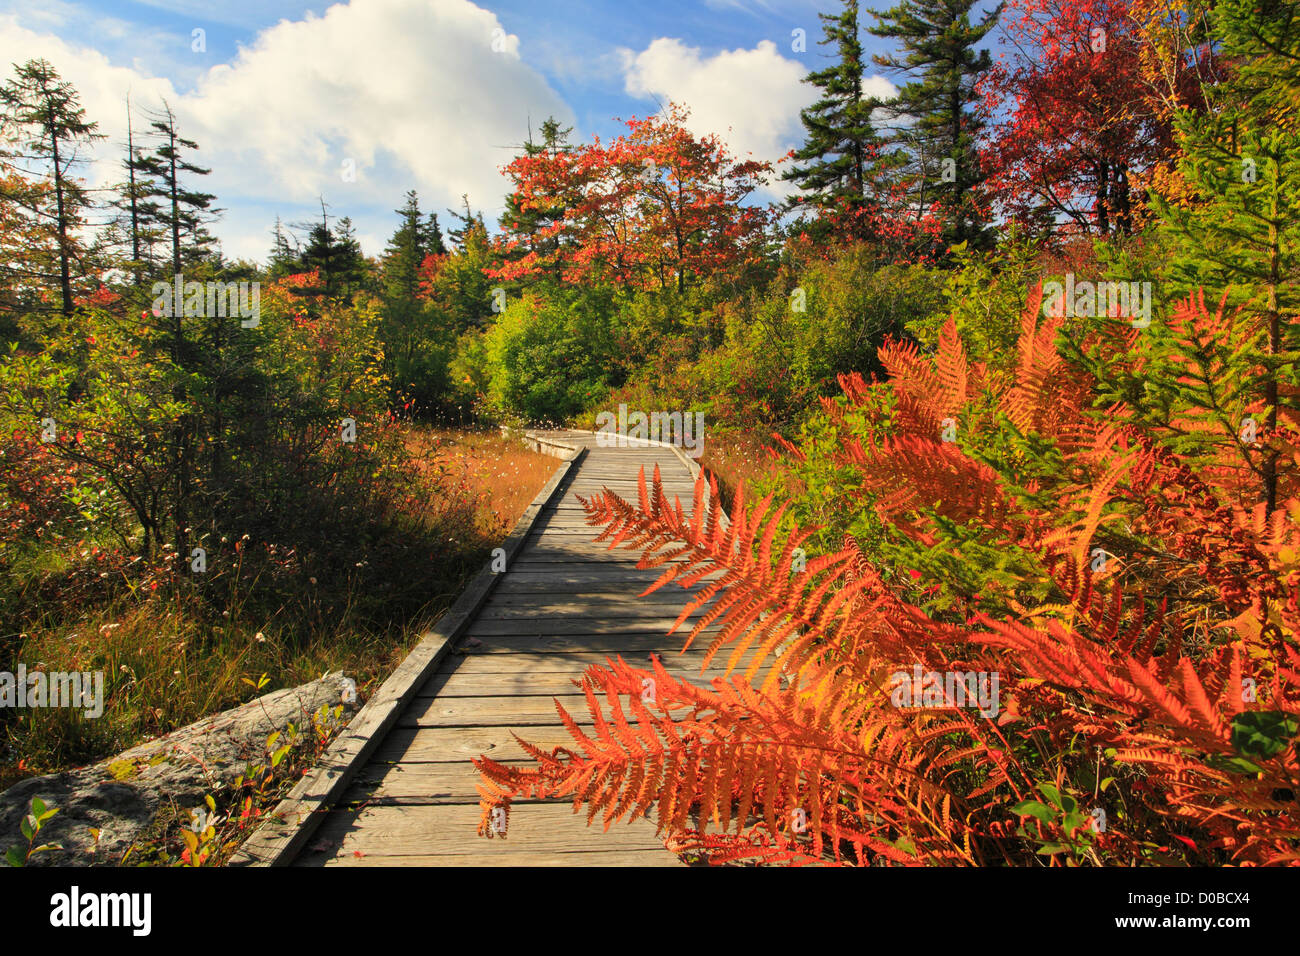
point(295, 819)
point(546, 446)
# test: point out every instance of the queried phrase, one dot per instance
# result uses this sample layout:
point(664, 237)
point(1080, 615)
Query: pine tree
point(936, 126)
point(431, 237)
point(136, 228)
point(839, 160)
point(461, 290)
point(182, 212)
point(44, 113)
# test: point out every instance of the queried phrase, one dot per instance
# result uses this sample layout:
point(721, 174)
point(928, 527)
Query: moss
point(123, 769)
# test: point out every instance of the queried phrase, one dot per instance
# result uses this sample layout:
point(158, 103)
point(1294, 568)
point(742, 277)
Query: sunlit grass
point(174, 649)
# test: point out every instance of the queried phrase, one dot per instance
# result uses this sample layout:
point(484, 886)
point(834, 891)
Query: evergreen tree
point(468, 221)
point(45, 116)
point(336, 255)
point(406, 251)
point(136, 229)
point(838, 165)
point(936, 129)
point(431, 237)
point(531, 224)
point(461, 291)
point(183, 213)
point(1235, 209)
point(284, 258)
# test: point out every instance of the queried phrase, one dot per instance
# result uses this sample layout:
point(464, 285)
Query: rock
point(123, 795)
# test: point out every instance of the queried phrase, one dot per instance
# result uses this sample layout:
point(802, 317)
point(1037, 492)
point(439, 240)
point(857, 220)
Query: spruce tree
point(935, 129)
point(45, 115)
point(838, 165)
point(284, 258)
point(431, 237)
point(336, 255)
point(182, 212)
point(531, 224)
point(1235, 211)
point(468, 220)
point(406, 251)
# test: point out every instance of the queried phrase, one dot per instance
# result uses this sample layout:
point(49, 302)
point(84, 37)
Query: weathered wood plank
point(278, 839)
point(571, 663)
point(639, 633)
point(541, 683)
point(478, 711)
point(565, 602)
point(630, 583)
point(613, 608)
point(515, 857)
point(450, 744)
point(451, 830)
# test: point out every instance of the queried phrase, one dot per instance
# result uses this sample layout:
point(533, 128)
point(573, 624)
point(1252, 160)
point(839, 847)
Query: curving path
point(563, 603)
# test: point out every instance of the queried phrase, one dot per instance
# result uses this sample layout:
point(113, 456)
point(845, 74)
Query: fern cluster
point(1143, 636)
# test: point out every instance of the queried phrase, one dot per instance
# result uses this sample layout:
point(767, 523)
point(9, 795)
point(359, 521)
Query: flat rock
point(123, 795)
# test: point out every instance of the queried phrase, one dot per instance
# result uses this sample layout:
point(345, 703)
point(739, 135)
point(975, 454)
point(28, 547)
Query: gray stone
point(172, 773)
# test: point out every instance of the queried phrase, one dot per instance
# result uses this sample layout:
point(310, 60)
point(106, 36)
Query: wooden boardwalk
point(562, 604)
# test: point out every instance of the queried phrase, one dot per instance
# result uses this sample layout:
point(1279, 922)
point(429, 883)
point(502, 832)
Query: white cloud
point(750, 98)
point(421, 94)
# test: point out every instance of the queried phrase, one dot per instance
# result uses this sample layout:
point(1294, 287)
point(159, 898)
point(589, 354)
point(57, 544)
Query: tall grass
point(348, 581)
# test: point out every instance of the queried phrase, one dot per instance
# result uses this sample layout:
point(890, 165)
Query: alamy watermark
point(56, 689)
point(945, 691)
point(133, 911)
point(684, 429)
point(1125, 300)
point(209, 300)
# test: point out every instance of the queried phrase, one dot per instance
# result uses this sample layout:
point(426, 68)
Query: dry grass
point(737, 457)
point(502, 472)
point(173, 652)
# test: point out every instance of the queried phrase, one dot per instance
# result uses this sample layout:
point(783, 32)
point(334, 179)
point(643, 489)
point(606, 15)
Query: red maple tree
point(1080, 123)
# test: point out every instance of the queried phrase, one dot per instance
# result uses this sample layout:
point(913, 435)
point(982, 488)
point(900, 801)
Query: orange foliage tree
point(654, 208)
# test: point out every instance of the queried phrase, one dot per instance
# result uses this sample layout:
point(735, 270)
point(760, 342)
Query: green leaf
point(212, 804)
point(29, 831)
point(1049, 849)
point(1049, 791)
point(1035, 809)
point(38, 807)
point(1233, 764)
point(1262, 733)
point(13, 857)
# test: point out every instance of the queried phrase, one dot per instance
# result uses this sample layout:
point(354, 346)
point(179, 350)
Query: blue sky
point(286, 98)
